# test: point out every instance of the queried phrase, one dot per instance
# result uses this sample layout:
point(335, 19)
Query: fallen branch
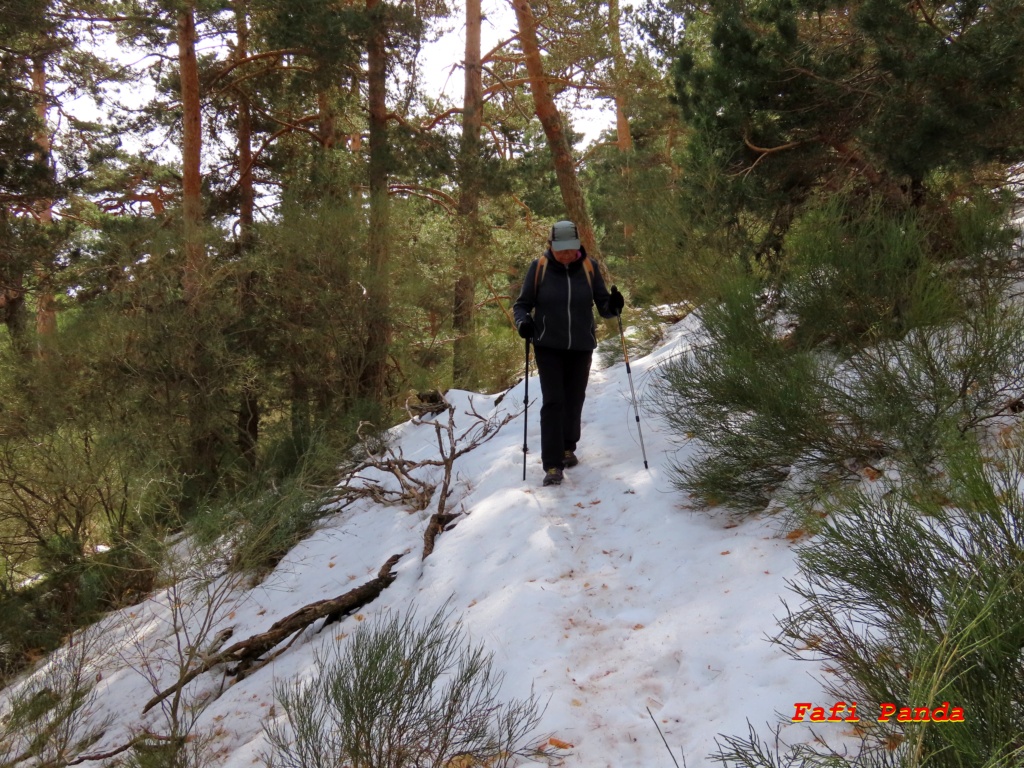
point(439, 522)
point(142, 738)
point(246, 652)
point(417, 490)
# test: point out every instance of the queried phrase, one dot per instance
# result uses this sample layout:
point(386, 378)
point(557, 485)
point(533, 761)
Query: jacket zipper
point(568, 307)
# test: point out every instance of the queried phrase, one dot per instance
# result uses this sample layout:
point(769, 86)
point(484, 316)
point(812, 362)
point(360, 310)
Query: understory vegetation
point(872, 388)
point(193, 342)
point(402, 692)
point(856, 251)
point(911, 593)
point(870, 347)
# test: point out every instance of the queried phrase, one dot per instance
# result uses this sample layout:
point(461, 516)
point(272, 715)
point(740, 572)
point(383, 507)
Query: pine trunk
point(374, 378)
point(469, 247)
point(201, 463)
point(328, 136)
point(12, 309)
point(554, 130)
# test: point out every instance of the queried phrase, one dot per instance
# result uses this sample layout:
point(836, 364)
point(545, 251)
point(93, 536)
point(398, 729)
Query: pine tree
point(468, 244)
point(791, 100)
point(555, 128)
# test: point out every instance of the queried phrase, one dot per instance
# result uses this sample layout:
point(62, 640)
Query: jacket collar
point(571, 266)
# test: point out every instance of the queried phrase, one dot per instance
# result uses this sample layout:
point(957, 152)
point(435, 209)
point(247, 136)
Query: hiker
point(554, 309)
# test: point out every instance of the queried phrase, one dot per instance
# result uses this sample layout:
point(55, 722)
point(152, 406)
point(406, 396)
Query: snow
point(606, 597)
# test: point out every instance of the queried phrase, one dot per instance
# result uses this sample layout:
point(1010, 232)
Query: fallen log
point(247, 652)
point(439, 522)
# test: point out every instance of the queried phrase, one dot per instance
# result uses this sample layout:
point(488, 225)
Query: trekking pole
point(526, 401)
point(629, 374)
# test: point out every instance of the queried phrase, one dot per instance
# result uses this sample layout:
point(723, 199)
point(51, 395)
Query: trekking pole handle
point(622, 337)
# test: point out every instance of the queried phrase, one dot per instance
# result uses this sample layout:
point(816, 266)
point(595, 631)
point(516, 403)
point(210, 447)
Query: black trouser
point(563, 385)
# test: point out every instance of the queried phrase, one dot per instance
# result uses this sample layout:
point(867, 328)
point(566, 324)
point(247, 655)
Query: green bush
point(262, 521)
point(401, 694)
point(37, 618)
point(764, 412)
point(854, 279)
point(913, 596)
point(869, 351)
point(753, 404)
point(687, 236)
point(903, 396)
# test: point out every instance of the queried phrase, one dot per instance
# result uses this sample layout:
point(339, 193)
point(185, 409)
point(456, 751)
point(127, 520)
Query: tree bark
point(551, 120)
point(437, 525)
point(12, 309)
point(374, 378)
point(326, 125)
point(469, 240)
point(201, 463)
point(246, 187)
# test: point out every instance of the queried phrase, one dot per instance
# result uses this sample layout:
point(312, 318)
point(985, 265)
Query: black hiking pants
point(563, 385)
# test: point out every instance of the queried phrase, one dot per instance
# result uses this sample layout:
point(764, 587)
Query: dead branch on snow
point(246, 653)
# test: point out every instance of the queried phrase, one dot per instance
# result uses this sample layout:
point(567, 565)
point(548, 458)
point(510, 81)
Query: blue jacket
point(562, 307)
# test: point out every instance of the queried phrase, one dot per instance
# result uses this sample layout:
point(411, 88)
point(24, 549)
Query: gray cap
point(564, 236)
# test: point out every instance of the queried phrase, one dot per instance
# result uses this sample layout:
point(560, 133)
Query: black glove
point(526, 329)
point(616, 301)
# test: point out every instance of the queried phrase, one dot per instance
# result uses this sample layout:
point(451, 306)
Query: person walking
point(555, 311)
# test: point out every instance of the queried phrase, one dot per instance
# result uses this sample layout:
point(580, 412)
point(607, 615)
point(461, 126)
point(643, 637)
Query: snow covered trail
point(603, 596)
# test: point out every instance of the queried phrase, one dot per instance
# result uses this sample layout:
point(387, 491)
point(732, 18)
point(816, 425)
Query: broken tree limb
point(246, 652)
point(439, 522)
point(145, 737)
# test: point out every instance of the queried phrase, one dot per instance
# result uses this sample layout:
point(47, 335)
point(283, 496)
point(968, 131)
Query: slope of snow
point(605, 596)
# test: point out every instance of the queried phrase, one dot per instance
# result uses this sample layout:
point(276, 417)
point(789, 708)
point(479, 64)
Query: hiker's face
point(566, 257)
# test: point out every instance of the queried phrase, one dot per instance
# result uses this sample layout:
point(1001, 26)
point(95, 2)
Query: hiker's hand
point(526, 329)
point(616, 301)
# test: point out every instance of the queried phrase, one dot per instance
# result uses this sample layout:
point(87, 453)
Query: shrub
point(687, 235)
point(260, 525)
point(261, 521)
point(912, 596)
point(753, 404)
point(846, 365)
point(401, 694)
point(855, 278)
point(45, 718)
point(763, 412)
point(38, 617)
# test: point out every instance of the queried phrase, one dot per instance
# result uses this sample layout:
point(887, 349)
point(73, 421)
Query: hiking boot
point(553, 476)
point(570, 459)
